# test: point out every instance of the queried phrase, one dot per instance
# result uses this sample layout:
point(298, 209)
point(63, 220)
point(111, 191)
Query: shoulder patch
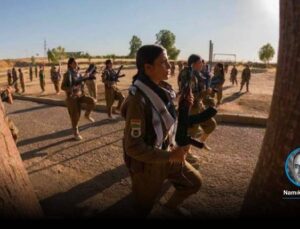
point(136, 128)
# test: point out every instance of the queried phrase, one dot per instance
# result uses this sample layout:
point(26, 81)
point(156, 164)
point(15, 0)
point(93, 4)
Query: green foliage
point(33, 60)
point(266, 53)
point(167, 39)
point(135, 44)
point(56, 55)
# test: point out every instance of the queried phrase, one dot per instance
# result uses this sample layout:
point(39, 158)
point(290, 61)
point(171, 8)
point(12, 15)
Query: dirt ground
point(88, 179)
point(257, 102)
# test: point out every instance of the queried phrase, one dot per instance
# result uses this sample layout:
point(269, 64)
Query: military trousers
point(74, 106)
point(147, 184)
point(92, 88)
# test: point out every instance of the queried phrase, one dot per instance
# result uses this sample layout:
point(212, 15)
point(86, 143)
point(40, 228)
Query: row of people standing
point(15, 78)
point(246, 76)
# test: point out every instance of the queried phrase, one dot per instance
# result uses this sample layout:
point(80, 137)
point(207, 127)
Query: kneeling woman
point(149, 150)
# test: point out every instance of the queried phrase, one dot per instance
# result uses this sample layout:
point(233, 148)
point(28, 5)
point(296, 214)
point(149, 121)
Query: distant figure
point(9, 77)
point(217, 82)
point(30, 73)
point(180, 66)
point(112, 92)
point(72, 84)
point(91, 83)
point(36, 71)
point(226, 68)
point(246, 76)
point(173, 68)
point(15, 80)
point(233, 75)
point(55, 78)
point(42, 78)
point(22, 81)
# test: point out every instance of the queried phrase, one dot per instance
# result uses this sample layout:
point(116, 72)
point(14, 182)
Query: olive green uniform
point(15, 79)
point(74, 102)
point(9, 78)
point(246, 76)
point(92, 88)
point(173, 68)
point(233, 76)
point(219, 88)
point(42, 79)
point(112, 92)
point(200, 97)
point(55, 78)
point(148, 165)
point(22, 81)
point(36, 71)
point(30, 73)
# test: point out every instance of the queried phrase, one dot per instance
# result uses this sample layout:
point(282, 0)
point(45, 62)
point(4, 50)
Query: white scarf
point(160, 114)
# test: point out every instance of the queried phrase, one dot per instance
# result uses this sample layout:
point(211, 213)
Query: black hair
point(221, 67)
point(147, 54)
point(91, 66)
point(193, 59)
point(107, 62)
point(71, 61)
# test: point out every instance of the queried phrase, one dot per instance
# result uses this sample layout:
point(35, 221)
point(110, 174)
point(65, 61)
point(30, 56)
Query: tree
point(33, 60)
point(135, 44)
point(265, 194)
point(266, 53)
point(56, 54)
point(17, 197)
point(167, 39)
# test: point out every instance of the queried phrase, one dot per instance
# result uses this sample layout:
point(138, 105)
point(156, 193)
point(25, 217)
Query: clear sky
point(104, 27)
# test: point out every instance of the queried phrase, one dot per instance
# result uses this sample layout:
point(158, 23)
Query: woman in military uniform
point(149, 149)
point(112, 93)
point(218, 80)
point(73, 86)
point(198, 85)
point(55, 78)
point(42, 78)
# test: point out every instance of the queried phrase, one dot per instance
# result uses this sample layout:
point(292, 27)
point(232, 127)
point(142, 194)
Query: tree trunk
point(265, 194)
point(17, 198)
